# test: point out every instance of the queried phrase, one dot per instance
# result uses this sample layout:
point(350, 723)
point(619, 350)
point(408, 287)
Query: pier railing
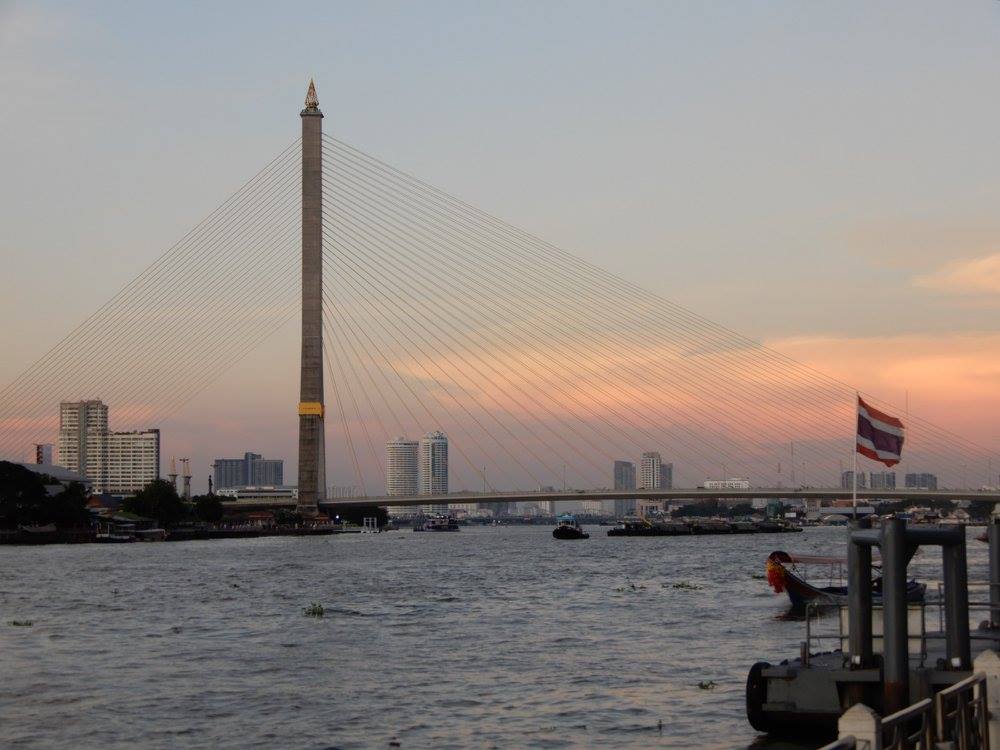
point(962, 713)
point(817, 639)
point(898, 727)
point(909, 729)
point(957, 718)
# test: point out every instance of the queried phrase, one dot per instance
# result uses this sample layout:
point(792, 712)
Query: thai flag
point(880, 437)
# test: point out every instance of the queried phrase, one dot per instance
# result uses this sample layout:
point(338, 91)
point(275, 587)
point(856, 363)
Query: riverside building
point(114, 463)
point(882, 480)
point(649, 471)
point(250, 471)
point(624, 480)
point(434, 469)
point(921, 481)
point(402, 472)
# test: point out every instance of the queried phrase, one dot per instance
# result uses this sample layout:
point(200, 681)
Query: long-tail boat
point(787, 574)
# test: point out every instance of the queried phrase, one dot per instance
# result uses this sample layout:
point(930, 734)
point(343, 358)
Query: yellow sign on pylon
point(311, 408)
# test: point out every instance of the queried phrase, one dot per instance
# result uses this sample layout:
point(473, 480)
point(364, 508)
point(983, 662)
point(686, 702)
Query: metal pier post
point(993, 534)
point(859, 598)
point(895, 654)
point(956, 605)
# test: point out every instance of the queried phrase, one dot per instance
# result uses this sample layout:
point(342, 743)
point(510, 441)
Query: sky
point(822, 177)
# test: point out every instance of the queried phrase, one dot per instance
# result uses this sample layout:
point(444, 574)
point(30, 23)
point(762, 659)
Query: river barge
point(677, 527)
point(438, 523)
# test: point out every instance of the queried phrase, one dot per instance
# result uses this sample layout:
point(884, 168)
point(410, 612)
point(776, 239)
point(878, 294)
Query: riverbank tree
point(25, 501)
point(159, 500)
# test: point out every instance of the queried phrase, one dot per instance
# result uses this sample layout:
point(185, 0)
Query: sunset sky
point(823, 178)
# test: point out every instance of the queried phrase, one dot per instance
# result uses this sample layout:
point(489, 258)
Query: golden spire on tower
point(312, 103)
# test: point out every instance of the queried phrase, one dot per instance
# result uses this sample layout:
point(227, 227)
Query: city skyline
point(935, 359)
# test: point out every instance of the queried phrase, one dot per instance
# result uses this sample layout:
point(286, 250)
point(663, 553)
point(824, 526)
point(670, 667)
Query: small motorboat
point(569, 528)
point(787, 574)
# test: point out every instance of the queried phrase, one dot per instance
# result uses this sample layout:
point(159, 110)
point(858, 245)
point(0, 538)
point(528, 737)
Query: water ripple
point(490, 638)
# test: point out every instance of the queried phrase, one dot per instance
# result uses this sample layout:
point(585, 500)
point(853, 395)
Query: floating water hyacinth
point(707, 685)
point(314, 610)
point(684, 585)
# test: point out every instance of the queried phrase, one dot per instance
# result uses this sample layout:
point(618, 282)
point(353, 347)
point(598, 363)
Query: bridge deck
point(778, 493)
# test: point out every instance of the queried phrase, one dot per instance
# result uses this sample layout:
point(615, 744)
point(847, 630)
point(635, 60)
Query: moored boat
point(787, 574)
point(569, 528)
point(633, 526)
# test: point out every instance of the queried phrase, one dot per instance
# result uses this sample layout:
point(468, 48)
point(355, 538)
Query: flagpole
point(854, 474)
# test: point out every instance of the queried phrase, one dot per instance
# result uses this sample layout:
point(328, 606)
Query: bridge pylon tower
point(312, 448)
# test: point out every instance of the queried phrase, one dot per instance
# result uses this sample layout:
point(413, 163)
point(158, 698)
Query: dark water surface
point(491, 637)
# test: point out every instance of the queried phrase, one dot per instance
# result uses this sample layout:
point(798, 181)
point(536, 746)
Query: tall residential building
point(267, 472)
point(922, 481)
point(402, 467)
point(83, 431)
point(649, 471)
point(250, 471)
point(624, 475)
point(624, 480)
point(229, 472)
point(882, 480)
point(847, 480)
point(434, 464)
point(666, 476)
point(434, 469)
point(133, 461)
point(117, 463)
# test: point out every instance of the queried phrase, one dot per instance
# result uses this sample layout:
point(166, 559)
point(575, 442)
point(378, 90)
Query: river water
point(489, 638)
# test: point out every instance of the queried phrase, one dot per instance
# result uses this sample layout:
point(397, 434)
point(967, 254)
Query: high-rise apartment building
point(267, 472)
point(847, 480)
point(133, 461)
point(624, 480)
point(229, 472)
point(117, 463)
point(882, 480)
point(649, 471)
point(250, 471)
point(434, 469)
point(83, 430)
point(402, 467)
point(921, 481)
point(624, 475)
point(666, 476)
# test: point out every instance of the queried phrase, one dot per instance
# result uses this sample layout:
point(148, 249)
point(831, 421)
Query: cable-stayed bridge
point(421, 312)
point(332, 506)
